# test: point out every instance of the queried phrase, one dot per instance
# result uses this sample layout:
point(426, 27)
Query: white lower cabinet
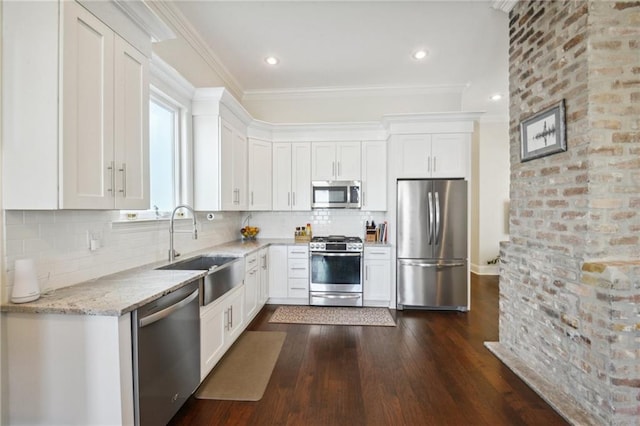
point(251, 286)
point(377, 276)
point(263, 276)
point(289, 275)
point(221, 323)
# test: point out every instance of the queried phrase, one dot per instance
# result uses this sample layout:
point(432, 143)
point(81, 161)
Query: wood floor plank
point(431, 369)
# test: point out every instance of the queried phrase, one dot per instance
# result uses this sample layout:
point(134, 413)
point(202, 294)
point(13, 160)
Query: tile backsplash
point(323, 222)
point(58, 241)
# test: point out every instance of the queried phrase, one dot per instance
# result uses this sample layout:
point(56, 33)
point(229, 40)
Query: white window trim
point(168, 86)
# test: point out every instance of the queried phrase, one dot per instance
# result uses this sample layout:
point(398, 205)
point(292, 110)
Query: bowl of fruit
point(249, 232)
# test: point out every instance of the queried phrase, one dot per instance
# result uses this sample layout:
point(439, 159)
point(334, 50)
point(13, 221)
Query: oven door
point(336, 272)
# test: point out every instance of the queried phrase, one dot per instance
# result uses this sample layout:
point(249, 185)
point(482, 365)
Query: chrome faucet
point(172, 252)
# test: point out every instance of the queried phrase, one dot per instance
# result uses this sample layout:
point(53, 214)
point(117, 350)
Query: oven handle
point(337, 296)
point(336, 254)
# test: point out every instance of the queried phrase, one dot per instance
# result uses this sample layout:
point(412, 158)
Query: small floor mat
point(330, 315)
point(244, 371)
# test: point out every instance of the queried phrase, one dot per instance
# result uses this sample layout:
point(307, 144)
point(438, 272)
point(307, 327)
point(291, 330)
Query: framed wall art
point(543, 133)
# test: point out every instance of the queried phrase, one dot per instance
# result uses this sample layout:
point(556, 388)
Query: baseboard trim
point(564, 404)
point(484, 269)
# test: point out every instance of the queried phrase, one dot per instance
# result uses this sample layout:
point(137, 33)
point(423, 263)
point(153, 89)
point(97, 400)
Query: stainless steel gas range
point(336, 271)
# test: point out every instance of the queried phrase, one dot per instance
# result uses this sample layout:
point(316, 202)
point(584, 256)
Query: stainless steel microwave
point(335, 194)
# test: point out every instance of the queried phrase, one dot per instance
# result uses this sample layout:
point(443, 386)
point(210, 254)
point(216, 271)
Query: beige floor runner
point(245, 370)
point(333, 315)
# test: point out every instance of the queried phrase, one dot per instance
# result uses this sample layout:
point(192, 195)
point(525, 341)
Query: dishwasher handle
point(143, 322)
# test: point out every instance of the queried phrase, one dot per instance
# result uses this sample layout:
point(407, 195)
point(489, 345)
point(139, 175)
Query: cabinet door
point(278, 272)
point(213, 325)
point(377, 282)
point(259, 171)
point(281, 176)
point(251, 294)
point(323, 161)
point(374, 175)
point(239, 164)
point(300, 176)
point(227, 188)
point(131, 127)
point(235, 315)
point(450, 154)
point(348, 161)
point(414, 156)
point(263, 265)
point(87, 93)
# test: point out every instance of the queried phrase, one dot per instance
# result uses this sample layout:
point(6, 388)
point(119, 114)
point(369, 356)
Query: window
point(164, 155)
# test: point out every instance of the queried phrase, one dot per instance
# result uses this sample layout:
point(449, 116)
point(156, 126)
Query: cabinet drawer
point(251, 261)
point(298, 268)
point(298, 252)
point(298, 288)
point(371, 253)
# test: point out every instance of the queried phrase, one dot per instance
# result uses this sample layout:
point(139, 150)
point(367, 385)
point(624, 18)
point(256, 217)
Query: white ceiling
point(351, 45)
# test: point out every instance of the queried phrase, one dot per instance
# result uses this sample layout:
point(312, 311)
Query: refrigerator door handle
point(430, 228)
point(437, 227)
point(433, 264)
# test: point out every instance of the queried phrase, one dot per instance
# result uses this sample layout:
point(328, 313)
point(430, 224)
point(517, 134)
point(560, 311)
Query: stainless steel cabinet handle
point(230, 317)
point(437, 202)
point(298, 252)
point(338, 168)
point(363, 202)
point(294, 198)
point(293, 268)
point(430, 227)
point(226, 319)
point(377, 252)
point(288, 198)
point(112, 179)
point(123, 169)
point(366, 273)
point(434, 164)
point(333, 168)
point(297, 288)
point(428, 163)
point(251, 197)
point(143, 322)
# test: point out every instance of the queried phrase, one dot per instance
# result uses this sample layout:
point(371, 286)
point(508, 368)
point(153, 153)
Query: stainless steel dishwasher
point(166, 354)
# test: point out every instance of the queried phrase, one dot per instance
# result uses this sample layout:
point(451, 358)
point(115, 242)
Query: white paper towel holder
point(25, 284)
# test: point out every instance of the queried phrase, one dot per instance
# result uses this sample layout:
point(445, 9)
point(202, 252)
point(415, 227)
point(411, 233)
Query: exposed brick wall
point(575, 208)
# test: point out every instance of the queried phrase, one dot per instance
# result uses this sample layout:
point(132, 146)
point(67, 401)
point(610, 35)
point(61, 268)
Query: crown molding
point(172, 15)
point(145, 18)
point(353, 91)
point(504, 5)
point(163, 75)
point(439, 122)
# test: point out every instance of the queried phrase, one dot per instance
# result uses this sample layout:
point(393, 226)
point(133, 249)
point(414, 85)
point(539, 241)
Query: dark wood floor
point(432, 369)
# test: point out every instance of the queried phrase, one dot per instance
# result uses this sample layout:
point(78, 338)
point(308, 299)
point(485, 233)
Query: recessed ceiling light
point(496, 97)
point(271, 60)
point(419, 54)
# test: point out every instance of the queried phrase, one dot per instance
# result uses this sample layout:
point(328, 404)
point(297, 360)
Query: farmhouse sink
point(225, 273)
point(201, 263)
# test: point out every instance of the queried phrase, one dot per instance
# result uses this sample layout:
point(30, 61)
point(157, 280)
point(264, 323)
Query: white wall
point(490, 157)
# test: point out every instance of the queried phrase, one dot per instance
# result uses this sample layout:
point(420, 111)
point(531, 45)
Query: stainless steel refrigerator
point(431, 256)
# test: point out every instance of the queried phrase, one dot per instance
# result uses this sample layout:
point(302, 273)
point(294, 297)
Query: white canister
point(25, 284)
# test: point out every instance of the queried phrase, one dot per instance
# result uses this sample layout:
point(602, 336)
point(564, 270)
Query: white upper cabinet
point(76, 134)
point(233, 186)
point(374, 176)
point(433, 155)
point(291, 176)
point(259, 171)
point(335, 161)
point(220, 151)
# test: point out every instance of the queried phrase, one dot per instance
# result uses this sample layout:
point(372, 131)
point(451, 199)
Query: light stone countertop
point(123, 292)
